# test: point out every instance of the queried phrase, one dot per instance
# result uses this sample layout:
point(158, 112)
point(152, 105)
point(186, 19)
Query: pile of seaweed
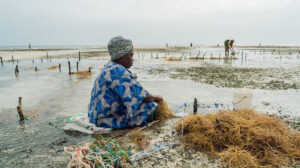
point(242, 138)
point(53, 67)
point(163, 111)
point(138, 138)
point(81, 75)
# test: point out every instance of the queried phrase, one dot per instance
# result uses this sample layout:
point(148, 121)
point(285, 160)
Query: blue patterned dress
point(116, 99)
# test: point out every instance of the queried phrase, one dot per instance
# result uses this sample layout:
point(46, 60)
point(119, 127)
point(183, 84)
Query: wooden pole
point(59, 66)
point(195, 106)
point(69, 67)
point(1, 61)
point(19, 109)
point(90, 70)
point(17, 70)
point(78, 56)
point(36, 69)
point(20, 101)
point(77, 66)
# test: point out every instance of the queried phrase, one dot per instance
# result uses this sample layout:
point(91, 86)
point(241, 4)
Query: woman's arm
point(150, 98)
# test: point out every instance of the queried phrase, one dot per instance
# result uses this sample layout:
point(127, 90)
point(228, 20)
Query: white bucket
point(242, 99)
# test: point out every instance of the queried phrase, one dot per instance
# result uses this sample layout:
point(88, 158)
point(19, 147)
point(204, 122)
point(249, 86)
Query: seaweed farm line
point(50, 95)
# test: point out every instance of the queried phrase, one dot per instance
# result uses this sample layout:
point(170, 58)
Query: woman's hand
point(157, 99)
point(150, 98)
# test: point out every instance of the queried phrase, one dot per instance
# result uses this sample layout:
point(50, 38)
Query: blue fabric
point(116, 99)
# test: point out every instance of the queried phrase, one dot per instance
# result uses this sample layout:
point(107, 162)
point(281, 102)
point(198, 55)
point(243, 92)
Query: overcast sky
point(148, 22)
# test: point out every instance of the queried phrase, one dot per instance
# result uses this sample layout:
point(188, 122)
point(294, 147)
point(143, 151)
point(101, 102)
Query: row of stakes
point(59, 67)
point(243, 55)
point(19, 107)
point(13, 60)
point(36, 69)
point(197, 57)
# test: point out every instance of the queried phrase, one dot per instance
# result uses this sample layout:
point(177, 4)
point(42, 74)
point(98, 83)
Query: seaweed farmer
point(228, 46)
point(118, 100)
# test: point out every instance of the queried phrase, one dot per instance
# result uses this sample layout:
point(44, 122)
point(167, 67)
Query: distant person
point(228, 46)
point(118, 100)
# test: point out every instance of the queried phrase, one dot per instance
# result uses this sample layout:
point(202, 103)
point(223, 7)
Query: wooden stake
point(59, 66)
point(20, 101)
point(90, 70)
point(17, 71)
point(77, 66)
point(78, 56)
point(1, 61)
point(69, 67)
point(19, 109)
point(36, 69)
point(195, 106)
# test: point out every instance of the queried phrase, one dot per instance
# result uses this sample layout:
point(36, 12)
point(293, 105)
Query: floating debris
point(32, 113)
point(174, 59)
point(53, 67)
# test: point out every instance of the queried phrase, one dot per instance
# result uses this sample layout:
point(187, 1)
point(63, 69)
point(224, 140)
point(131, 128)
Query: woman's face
point(129, 59)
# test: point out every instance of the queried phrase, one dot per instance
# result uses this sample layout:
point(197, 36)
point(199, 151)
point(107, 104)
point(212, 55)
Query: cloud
point(146, 21)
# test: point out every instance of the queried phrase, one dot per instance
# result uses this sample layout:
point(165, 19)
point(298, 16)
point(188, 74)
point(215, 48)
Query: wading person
point(228, 46)
point(118, 100)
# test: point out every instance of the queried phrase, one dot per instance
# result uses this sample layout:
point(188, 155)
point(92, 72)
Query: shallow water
point(55, 95)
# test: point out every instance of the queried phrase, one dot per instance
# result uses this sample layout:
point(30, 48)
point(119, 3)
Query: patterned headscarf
point(119, 47)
